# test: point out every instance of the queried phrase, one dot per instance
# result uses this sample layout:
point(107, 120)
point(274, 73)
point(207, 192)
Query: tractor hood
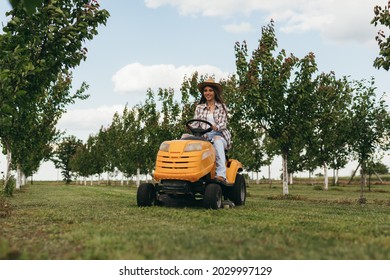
point(187, 160)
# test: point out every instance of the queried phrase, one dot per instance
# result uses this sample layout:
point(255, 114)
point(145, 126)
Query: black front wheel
point(146, 195)
point(238, 193)
point(213, 196)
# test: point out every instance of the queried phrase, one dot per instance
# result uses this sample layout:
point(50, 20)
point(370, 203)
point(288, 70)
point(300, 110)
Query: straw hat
point(212, 83)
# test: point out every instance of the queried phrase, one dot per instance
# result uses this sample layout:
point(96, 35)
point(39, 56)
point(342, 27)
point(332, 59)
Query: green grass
point(49, 221)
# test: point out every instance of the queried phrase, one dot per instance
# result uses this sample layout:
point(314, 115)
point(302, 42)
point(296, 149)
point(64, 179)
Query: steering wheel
point(198, 131)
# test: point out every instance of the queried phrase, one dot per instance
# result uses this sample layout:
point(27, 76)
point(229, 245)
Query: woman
point(212, 108)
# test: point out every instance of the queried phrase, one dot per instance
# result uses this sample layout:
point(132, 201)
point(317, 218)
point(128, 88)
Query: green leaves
point(382, 17)
point(42, 43)
point(369, 119)
point(328, 134)
point(66, 149)
point(29, 6)
point(306, 117)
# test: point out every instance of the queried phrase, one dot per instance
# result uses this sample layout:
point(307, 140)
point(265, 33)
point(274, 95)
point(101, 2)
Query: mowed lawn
point(54, 221)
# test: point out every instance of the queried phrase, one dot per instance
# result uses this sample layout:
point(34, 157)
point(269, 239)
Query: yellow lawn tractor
point(185, 168)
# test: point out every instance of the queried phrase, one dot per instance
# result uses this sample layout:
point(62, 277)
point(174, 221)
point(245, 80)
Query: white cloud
point(136, 77)
point(337, 21)
point(83, 122)
point(243, 27)
point(222, 8)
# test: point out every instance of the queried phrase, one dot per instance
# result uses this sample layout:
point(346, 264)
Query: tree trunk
point(24, 179)
point(18, 177)
point(379, 178)
point(138, 178)
point(334, 178)
point(369, 182)
point(21, 177)
point(363, 182)
point(269, 176)
point(8, 167)
point(291, 178)
point(353, 174)
point(285, 174)
point(326, 178)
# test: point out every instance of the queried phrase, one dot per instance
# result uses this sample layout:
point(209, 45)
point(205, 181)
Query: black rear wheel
point(146, 195)
point(213, 196)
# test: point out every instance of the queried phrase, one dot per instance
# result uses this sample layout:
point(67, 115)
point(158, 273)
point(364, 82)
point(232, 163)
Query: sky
point(155, 43)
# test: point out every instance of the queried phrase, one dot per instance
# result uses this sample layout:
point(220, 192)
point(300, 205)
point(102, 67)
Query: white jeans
point(220, 145)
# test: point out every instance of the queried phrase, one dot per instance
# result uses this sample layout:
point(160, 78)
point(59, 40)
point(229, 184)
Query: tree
point(273, 98)
point(329, 134)
point(171, 126)
point(88, 159)
point(369, 126)
point(382, 16)
point(38, 50)
point(121, 126)
point(263, 82)
point(36, 127)
point(247, 140)
point(149, 123)
point(108, 147)
point(63, 155)
point(378, 168)
point(80, 162)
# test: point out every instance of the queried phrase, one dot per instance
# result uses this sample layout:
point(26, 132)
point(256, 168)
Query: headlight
point(164, 147)
point(191, 147)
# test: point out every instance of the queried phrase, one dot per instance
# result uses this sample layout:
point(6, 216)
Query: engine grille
point(172, 162)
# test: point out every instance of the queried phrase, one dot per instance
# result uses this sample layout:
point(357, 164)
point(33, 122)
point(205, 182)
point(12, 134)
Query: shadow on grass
point(8, 253)
point(180, 202)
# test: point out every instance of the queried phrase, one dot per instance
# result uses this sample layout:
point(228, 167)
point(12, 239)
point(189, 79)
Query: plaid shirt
point(220, 117)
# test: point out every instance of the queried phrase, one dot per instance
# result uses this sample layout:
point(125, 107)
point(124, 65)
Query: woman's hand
point(214, 127)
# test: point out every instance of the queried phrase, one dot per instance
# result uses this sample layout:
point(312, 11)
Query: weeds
point(362, 200)
point(287, 197)
point(5, 207)
point(8, 189)
point(346, 201)
point(318, 188)
point(382, 202)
